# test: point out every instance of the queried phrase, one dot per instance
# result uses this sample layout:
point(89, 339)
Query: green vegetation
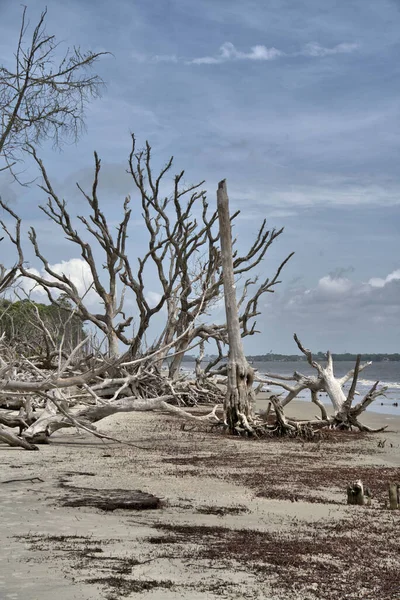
point(39, 329)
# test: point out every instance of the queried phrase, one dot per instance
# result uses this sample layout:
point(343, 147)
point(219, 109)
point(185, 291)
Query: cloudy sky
point(295, 102)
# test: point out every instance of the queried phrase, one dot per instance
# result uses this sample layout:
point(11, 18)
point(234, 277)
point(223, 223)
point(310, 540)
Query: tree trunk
point(239, 400)
point(333, 387)
point(181, 347)
point(113, 345)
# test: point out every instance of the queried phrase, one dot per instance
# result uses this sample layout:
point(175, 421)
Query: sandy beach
point(239, 518)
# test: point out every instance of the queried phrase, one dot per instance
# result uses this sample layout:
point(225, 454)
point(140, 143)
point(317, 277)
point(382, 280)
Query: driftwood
point(173, 397)
point(57, 416)
point(345, 415)
point(10, 438)
point(13, 421)
point(31, 479)
point(109, 500)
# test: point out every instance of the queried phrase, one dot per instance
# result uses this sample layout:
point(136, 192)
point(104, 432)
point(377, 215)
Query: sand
point(239, 518)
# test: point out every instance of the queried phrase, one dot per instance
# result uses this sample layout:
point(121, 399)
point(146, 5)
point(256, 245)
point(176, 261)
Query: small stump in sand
point(358, 494)
point(394, 496)
point(110, 500)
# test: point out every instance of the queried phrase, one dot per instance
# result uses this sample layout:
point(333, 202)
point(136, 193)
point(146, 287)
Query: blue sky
point(295, 103)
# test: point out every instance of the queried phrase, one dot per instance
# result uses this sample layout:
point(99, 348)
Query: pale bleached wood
point(239, 399)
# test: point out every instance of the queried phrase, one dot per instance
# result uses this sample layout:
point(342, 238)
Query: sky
point(294, 102)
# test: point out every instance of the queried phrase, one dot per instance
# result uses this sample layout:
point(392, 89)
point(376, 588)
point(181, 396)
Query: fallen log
point(109, 500)
point(10, 438)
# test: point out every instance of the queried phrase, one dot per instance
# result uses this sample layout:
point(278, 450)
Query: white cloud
point(259, 52)
point(315, 49)
point(165, 58)
point(229, 52)
point(153, 298)
point(288, 197)
point(335, 286)
point(78, 272)
point(76, 269)
point(339, 312)
point(343, 297)
point(29, 286)
point(156, 58)
point(380, 283)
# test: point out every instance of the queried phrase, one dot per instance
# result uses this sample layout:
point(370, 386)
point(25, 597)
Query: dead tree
point(43, 98)
point(239, 400)
point(21, 380)
point(345, 415)
point(112, 322)
point(184, 248)
point(8, 277)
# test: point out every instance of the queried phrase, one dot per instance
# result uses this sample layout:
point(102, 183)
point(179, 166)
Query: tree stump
point(358, 494)
point(394, 496)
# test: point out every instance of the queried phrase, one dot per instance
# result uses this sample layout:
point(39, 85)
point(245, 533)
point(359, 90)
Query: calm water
point(387, 373)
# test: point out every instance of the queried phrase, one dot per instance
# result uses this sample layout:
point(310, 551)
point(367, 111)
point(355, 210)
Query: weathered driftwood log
point(13, 421)
point(57, 416)
point(10, 438)
point(239, 400)
point(358, 494)
point(110, 500)
point(394, 496)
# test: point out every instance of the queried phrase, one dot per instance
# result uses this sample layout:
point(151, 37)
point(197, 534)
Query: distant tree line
point(39, 329)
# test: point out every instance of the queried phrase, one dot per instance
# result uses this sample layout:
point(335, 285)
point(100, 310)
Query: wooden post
point(239, 400)
point(394, 496)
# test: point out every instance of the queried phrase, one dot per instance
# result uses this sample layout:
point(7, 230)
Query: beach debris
point(110, 500)
point(31, 479)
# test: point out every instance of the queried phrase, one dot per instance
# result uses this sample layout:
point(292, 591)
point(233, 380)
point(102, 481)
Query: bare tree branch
point(41, 99)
